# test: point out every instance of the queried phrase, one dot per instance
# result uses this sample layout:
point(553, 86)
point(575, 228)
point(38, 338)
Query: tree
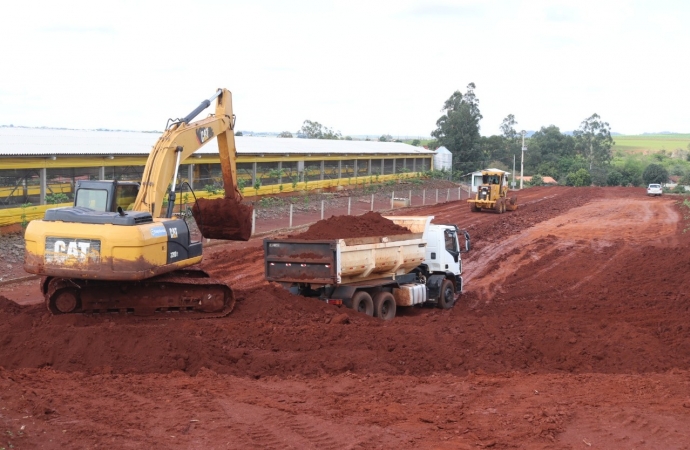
point(593, 141)
point(386, 138)
point(416, 142)
point(239, 133)
point(655, 173)
point(285, 134)
point(314, 130)
point(508, 128)
point(458, 129)
point(551, 153)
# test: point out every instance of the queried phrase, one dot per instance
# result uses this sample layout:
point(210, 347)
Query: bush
point(57, 197)
point(537, 180)
point(614, 178)
point(579, 178)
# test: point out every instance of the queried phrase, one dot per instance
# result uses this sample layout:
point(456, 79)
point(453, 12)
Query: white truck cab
point(443, 249)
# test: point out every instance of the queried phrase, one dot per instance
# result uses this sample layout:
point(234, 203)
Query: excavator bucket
point(223, 218)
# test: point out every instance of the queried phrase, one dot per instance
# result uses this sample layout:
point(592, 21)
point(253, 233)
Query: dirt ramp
point(223, 218)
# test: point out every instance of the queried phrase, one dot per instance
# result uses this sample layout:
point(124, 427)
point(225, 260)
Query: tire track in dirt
point(601, 224)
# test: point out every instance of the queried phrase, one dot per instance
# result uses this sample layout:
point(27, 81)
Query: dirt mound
point(343, 227)
point(8, 307)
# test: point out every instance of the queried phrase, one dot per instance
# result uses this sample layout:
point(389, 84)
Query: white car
point(654, 189)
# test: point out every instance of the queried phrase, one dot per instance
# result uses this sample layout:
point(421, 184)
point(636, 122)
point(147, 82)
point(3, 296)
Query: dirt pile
point(344, 227)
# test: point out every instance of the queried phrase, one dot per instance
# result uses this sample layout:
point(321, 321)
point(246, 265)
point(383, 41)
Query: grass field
point(650, 143)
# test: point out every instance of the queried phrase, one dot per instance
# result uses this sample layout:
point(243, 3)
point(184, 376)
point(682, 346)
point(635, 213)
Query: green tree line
point(580, 158)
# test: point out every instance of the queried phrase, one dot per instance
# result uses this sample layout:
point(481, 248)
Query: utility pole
point(512, 185)
point(522, 159)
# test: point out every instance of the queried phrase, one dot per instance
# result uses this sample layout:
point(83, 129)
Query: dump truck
point(374, 275)
point(492, 194)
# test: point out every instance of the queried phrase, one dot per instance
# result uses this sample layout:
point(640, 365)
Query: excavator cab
point(106, 195)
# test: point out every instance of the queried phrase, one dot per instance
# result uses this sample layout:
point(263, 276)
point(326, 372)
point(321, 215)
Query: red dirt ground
point(573, 332)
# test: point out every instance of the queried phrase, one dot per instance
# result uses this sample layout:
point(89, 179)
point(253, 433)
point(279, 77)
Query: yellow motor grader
point(492, 194)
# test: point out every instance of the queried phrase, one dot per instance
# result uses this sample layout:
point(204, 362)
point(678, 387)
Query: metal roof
point(15, 141)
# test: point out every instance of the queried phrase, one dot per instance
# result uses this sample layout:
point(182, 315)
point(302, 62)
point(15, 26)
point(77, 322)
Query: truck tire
point(362, 302)
point(446, 299)
point(384, 305)
point(474, 207)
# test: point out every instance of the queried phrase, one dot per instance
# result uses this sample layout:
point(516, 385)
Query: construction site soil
point(343, 227)
point(573, 332)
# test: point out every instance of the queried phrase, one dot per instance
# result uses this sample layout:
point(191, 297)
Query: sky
point(359, 67)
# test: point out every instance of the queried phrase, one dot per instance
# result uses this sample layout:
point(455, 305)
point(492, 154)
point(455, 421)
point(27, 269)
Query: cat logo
point(60, 250)
point(173, 255)
point(204, 134)
point(173, 233)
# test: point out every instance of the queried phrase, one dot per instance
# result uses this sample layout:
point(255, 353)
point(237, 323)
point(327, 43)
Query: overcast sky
point(361, 67)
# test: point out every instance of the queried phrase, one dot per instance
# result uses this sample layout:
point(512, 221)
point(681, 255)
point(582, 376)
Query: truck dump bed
point(344, 261)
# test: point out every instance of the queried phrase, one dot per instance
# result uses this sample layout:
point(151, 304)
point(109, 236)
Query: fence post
point(321, 209)
point(424, 197)
point(410, 195)
point(349, 205)
point(253, 221)
point(392, 198)
point(459, 193)
point(290, 215)
point(372, 202)
point(436, 195)
point(448, 195)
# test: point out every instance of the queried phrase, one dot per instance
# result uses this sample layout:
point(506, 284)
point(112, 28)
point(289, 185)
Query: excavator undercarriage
point(188, 292)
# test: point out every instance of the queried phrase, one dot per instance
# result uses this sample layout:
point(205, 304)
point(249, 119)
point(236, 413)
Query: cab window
point(451, 241)
point(96, 199)
point(125, 194)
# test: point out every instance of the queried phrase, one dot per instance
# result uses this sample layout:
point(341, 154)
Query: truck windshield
point(96, 199)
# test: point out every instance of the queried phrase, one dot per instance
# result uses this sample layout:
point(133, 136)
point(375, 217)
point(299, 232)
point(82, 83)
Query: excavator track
point(188, 294)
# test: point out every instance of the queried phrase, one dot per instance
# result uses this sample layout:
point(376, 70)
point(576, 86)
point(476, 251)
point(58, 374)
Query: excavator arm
point(180, 141)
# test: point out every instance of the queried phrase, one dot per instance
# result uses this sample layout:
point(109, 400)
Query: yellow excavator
point(102, 255)
point(492, 194)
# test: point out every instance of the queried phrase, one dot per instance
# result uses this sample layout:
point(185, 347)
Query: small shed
point(443, 159)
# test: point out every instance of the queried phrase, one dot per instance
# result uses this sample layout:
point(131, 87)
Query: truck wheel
point(362, 302)
point(384, 305)
point(447, 298)
point(474, 207)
